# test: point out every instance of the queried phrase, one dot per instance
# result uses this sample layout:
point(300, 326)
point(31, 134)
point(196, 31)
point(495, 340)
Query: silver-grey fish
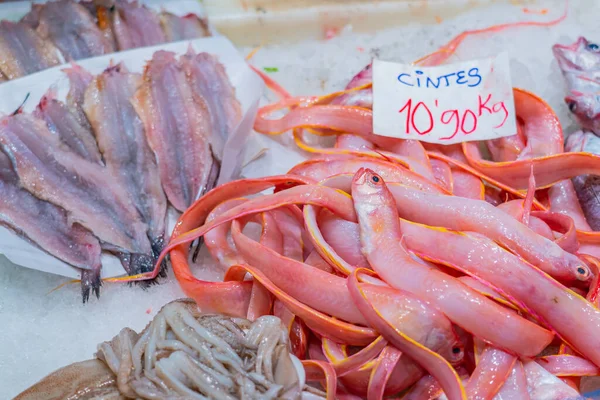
point(587, 186)
point(580, 65)
point(49, 227)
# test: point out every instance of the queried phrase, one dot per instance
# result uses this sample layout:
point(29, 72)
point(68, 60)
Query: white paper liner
point(248, 86)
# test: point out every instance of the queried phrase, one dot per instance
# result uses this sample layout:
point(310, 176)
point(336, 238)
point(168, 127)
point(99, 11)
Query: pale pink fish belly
point(492, 370)
point(515, 387)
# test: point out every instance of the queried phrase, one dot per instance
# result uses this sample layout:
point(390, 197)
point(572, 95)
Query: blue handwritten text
point(470, 78)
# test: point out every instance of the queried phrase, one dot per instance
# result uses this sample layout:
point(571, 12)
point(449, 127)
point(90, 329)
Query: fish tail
point(90, 282)
point(143, 263)
point(158, 244)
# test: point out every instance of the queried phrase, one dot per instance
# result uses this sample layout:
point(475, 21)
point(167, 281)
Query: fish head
point(446, 343)
point(585, 106)
point(374, 205)
point(580, 65)
point(367, 184)
point(582, 55)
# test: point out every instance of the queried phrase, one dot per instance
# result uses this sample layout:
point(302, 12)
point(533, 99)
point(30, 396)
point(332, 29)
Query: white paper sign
point(448, 104)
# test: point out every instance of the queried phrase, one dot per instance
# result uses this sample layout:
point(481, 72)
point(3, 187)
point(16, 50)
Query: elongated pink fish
point(362, 97)
point(479, 216)
point(307, 284)
point(381, 239)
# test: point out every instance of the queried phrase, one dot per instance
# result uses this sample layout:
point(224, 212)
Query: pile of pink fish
point(409, 269)
point(75, 30)
point(97, 172)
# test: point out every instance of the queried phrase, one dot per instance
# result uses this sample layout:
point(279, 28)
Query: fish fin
point(90, 281)
point(528, 203)
point(20, 109)
point(256, 157)
point(144, 263)
point(190, 51)
point(213, 175)
point(157, 246)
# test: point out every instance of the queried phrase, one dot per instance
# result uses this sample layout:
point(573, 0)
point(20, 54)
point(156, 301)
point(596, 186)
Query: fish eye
point(375, 179)
point(593, 47)
point(583, 273)
point(572, 106)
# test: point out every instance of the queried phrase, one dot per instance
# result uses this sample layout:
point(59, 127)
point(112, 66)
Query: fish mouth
point(360, 176)
point(565, 54)
point(574, 46)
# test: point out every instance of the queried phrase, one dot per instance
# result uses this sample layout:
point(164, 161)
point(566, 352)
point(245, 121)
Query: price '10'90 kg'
point(464, 122)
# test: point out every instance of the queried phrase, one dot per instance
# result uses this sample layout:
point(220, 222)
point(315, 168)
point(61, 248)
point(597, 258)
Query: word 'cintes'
point(471, 78)
point(447, 104)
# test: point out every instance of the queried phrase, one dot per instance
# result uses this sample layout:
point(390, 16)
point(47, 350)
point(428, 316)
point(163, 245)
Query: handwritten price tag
point(447, 104)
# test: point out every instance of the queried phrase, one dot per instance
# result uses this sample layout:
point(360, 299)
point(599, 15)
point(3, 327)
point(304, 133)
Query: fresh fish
point(79, 80)
point(48, 226)
point(211, 86)
point(72, 128)
point(181, 28)
point(104, 21)
point(178, 128)
point(32, 18)
point(72, 29)
point(23, 51)
point(362, 97)
point(88, 191)
point(587, 186)
point(580, 65)
point(135, 26)
point(121, 138)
